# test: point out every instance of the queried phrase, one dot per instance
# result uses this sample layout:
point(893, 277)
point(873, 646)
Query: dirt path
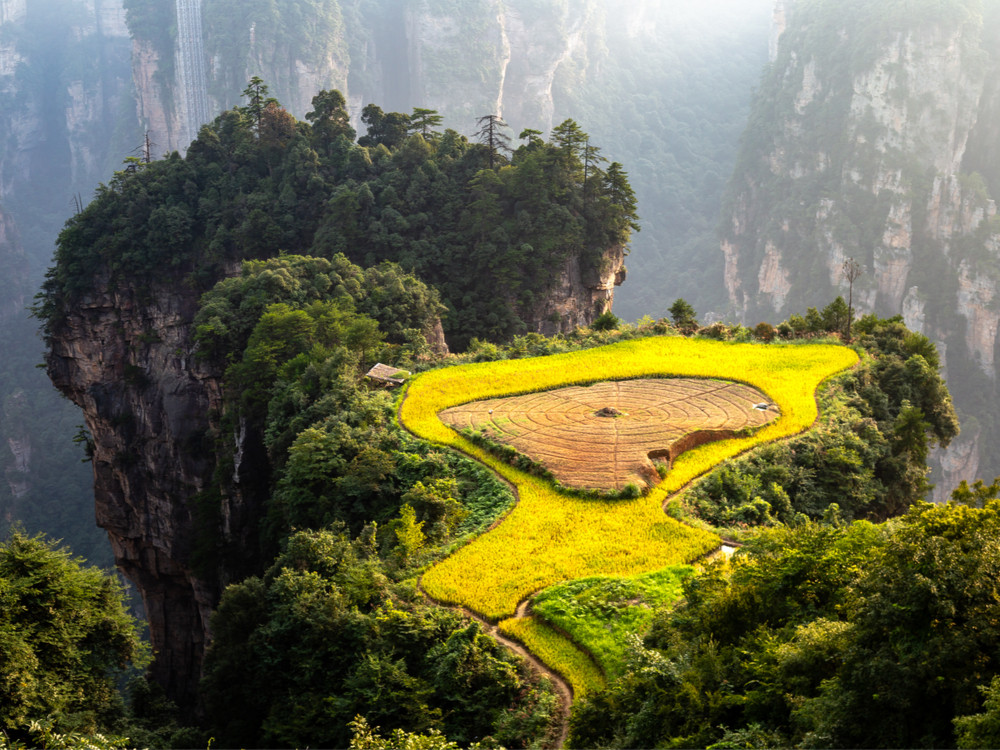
point(563, 689)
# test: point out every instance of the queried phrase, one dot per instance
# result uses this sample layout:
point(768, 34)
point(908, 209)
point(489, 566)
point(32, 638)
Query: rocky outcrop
point(146, 401)
point(578, 295)
point(976, 295)
point(773, 280)
point(959, 462)
point(872, 149)
point(154, 101)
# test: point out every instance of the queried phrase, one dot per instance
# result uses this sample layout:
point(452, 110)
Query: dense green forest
point(489, 227)
point(357, 507)
point(823, 635)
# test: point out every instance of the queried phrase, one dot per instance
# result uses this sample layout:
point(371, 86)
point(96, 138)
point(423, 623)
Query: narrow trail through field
point(563, 689)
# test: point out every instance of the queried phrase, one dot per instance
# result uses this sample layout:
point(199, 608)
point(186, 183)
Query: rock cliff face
point(15, 285)
point(15, 424)
point(464, 61)
point(154, 100)
point(866, 144)
point(537, 47)
point(14, 415)
point(577, 296)
point(496, 57)
point(60, 105)
point(127, 363)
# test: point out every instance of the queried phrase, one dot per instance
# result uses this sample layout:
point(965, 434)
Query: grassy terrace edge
point(551, 536)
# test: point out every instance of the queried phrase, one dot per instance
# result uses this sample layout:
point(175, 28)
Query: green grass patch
point(600, 612)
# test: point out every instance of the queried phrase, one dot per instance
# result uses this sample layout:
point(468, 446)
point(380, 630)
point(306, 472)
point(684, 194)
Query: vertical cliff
point(125, 358)
point(577, 295)
point(57, 110)
point(872, 137)
point(463, 60)
point(15, 282)
point(192, 58)
point(297, 47)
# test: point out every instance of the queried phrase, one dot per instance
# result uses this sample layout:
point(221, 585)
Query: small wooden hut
point(386, 376)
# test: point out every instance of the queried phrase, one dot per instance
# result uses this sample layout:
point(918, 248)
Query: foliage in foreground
point(366, 737)
point(823, 636)
point(325, 636)
point(65, 639)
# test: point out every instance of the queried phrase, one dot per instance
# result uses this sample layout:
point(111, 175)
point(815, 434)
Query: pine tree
point(491, 134)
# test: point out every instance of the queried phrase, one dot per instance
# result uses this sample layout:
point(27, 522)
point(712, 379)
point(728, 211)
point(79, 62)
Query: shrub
point(717, 331)
point(606, 321)
point(764, 331)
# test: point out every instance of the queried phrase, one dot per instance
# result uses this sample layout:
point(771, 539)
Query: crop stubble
point(602, 436)
point(549, 536)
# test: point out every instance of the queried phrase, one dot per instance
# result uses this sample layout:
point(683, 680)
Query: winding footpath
point(564, 690)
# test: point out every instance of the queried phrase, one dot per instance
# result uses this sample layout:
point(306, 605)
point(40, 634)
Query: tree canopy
point(65, 640)
point(256, 182)
point(822, 636)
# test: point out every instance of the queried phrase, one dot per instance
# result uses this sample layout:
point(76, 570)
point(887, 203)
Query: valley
point(653, 276)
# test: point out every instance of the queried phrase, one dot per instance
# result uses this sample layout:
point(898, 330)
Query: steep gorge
point(872, 137)
point(65, 82)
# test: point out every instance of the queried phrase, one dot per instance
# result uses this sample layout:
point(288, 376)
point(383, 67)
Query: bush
point(717, 331)
point(765, 331)
point(606, 321)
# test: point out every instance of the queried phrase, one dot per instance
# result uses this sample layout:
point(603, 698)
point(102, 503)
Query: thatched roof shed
point(387, 376)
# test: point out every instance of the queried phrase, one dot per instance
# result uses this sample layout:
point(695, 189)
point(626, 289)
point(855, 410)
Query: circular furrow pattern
point(566, 431)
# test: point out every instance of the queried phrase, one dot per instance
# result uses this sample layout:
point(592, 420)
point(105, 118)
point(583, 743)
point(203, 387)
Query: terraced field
point(603, 436)
point(551, 536)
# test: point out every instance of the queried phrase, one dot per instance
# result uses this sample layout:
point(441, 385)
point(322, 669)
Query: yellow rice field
point(561, 655)
point(551, 536)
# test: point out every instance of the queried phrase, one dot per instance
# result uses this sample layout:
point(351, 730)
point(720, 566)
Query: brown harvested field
point(603, 436)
